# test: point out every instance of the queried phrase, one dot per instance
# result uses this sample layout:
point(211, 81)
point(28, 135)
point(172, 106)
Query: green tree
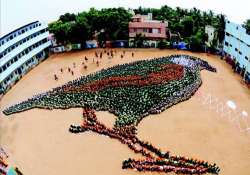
point(247, 25)
point(197, 41)
point(188, 26)
point(163, 44)
point(111, 23)
point(67, 17)
point(61, 31)
point(220, 28)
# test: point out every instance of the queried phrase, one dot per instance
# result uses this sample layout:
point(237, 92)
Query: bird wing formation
point(131, 91)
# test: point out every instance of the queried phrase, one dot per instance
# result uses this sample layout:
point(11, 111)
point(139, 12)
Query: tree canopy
point(112, 24)
point(247, 25)
point(189, 23)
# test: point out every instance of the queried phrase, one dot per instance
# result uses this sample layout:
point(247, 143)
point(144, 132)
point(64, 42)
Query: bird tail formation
point(23, 106)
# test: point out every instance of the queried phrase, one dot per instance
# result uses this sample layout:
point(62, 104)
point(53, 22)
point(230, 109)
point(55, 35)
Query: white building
point(237, 46)
point(20, 50)
point(210, 31)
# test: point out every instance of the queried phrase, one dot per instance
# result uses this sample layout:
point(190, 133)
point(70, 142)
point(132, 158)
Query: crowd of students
point(131, 91)
point(98, 55)
point(155, 160)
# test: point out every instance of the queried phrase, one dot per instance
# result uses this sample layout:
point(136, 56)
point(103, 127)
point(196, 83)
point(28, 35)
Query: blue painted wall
point(237, 44)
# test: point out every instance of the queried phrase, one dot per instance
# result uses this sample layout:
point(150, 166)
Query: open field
point(39, 143)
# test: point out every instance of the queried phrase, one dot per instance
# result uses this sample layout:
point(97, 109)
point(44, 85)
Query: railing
point(150, 35)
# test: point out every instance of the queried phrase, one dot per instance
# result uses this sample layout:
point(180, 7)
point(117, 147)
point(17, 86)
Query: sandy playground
point(39, 143)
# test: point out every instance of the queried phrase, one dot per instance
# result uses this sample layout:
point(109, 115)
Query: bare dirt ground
point(39, 143)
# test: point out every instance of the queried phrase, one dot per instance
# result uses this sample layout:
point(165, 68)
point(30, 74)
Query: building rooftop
point(17, 30)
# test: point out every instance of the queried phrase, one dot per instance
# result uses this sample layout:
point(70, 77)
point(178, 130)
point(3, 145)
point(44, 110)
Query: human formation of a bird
point(131, 91)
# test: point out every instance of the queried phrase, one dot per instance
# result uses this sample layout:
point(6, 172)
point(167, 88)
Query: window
point(227, 34)
point(231, 45)
point(226, 43)
point(155, 31)
point(145, 30)
point(236, 49)
point(240, 52)
point(149, 30)
point(246, 57)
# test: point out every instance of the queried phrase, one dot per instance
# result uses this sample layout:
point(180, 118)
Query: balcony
point(147, 29)
point(147, 25)
point(148, 35)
